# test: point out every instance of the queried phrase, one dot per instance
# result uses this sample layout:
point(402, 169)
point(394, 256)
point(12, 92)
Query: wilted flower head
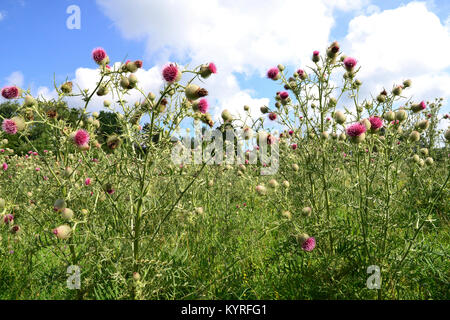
point(171, 73)
point(349, 63)
point(273, 73)
point(10, 92)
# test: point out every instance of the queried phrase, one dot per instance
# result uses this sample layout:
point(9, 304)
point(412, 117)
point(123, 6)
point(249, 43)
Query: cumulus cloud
point(406, 42)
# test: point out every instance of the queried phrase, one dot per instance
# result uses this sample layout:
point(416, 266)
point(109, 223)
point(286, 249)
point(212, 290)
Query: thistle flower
point(357, 132)
point(375, 123)
point(171, 73)
point(307, 243)
point(302, 74)
point(193, 92)
point(5, 166)
point(62, 232)
point(272, 116)
point(8, 218)
point(202, 106)
point(87, 181)
point(418, 107)
point(9, 126)
point(349, 63)
point(207, 69)
point(100, 57)
point(284, 95)
point(273, 73)
point(81, 138)
point(294, 146)
point(11, 92)
point(315, 57)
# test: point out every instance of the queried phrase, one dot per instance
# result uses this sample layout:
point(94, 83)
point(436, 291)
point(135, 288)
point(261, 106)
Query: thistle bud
point(340, 117)
point(429, 161)
point(324, 135)
point(401, 115)
point(2, 203)
point(102, 91)
point(264, 109)
point(67, 214)
point(62, 232)
point(295, 167)
point(424, 151)
point(286, 214)
point(29, 101)
point(416, 158)
point(306, 211)
point(260, 189)
point(366, 123)
point(133, 80)
point(414, 136)
point(273, 183)
point(280, 67)
point(407, 83)
point(226, 116)
point(397, 90)
point(389, 115)
point(447, 135)
point(136, 276)
point(124, 83)
point(301, 238)
point(67, 87)
point(423, 125)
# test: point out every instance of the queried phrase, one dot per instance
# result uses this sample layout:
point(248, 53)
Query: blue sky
point(39, 44)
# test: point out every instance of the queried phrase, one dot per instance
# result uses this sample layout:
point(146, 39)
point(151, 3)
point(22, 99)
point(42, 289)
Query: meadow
point(358, 185)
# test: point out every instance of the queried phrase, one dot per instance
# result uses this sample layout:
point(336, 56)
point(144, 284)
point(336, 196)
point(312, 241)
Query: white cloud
point(407, 42)
point(244, 37)
point(15, 78)
point(2, 15)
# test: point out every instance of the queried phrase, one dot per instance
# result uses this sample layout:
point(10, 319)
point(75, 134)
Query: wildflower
point(9, 126)
point(357, 132)
point(100, 57)
point(10, 92)
point(302, 74)
point(397, 90)
point(171, 73)
point(207, 69)
point(81, 138)
point(315, 57)
point(273, 73)
point(284, 95)
point(62, 232)
point(87, 181)
point(201, 106)
point(375, 123)
point(294, 146)
point(349, 63)
point(5, 166)
point(291, 132)
point(418, 107)
point(193, 92)
point(307, 243)
point(8, 218)
point(272, 116)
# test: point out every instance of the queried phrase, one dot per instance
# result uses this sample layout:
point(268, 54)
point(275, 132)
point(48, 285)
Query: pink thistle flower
point(300, 73)
point(294, 146)
point(171, 73)
point(349, 63)
point(8, 218)
point(270, 139)
point(316, 53)
point(423, 105)
point(38, 169)
point(81, 138)
point(212, 67)
point(9, 126)
point(10, 92)
point(356, 129)
point(272, 116)
point(95, 160)
point(30, 152)
point(284, 95)
point(45, 178)
point(138, 63)
point(87, 181)
point(45, 151)
point(291, 132)
point(2, 150)
point(203, 105)
point(273, 73)
point(5, 166)
point(375, 123)
point(35, 153)
point(309, 244)
point(99, 54)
